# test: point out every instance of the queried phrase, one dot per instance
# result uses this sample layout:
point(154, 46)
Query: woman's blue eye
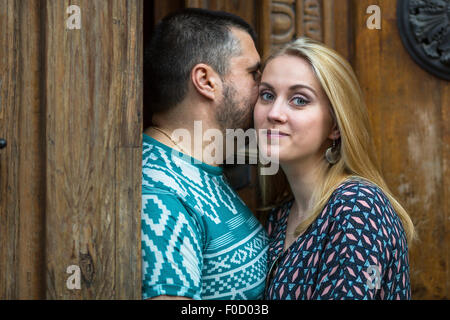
point(299, 101)
point(266, 96)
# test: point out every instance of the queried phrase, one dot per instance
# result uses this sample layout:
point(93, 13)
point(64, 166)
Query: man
point(199, 240)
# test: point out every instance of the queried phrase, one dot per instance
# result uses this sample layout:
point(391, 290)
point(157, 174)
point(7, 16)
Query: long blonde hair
point(357, 152)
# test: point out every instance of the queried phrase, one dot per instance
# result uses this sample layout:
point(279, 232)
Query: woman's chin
point(269, 153)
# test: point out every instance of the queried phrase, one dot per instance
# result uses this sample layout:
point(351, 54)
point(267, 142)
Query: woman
point(343, 235)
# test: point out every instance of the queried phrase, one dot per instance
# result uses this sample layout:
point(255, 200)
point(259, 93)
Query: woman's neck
point(304, 179)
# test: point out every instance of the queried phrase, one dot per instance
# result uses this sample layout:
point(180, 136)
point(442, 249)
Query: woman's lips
point(276, 133)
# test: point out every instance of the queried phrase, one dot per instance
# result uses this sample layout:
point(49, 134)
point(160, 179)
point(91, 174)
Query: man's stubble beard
point(234, 113)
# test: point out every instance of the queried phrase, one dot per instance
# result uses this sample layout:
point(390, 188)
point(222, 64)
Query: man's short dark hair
point(182, 40)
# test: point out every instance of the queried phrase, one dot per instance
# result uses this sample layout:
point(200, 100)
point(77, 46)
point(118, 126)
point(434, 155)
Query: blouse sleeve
point(353, 259)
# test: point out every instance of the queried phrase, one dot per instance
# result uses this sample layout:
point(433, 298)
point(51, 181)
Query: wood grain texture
point(128, 87)
point(408, 109)
point(21, 163)
point(337, 23)
point(32, 163)
point(163, 8)
point(9, 185)
point(244, 9)
point(263, 27)
point(93, 100)
point(445, 111)
point(128, 224)
point(310, 19)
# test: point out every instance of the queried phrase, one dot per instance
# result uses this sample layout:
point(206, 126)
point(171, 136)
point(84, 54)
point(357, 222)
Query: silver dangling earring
point(332, 153)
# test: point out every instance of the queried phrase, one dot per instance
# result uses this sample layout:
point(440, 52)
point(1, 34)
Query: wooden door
point(70, 176)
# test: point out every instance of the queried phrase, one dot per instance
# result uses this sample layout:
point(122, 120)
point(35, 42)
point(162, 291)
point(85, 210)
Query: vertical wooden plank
point(264, 28)
point(80, 151)
point(163, 8)
point(129, 150)
point(128, 224)
point(343, 17)
point(328, 22)
point(405, 105)
point(337, 26)
point(193, 3)
point(22, 162)
point(31, 280)
point(91, 113)
point(9, 164)
point(445, 111)
point(368, 71)
point(244, 9)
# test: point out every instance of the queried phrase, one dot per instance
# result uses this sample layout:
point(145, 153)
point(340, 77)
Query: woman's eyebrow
point(302, 86)
point(291, 88)
point(265, 84)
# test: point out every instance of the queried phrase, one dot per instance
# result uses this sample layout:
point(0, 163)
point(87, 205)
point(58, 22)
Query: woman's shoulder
point(363, 201)
point(361, 204)
point(358, 190)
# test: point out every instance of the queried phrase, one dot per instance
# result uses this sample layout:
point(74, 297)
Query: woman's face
point(292, 101)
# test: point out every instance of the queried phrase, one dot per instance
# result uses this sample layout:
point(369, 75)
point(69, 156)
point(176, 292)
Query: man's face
point(240, 88)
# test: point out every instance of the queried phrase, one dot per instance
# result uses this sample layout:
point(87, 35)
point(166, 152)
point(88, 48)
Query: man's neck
point(199, 139)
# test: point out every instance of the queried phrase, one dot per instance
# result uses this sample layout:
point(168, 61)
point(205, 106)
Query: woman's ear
point(335, 132)
point(205, 80)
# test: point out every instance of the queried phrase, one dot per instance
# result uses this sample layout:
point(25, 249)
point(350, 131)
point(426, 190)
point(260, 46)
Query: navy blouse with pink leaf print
point(355, 249)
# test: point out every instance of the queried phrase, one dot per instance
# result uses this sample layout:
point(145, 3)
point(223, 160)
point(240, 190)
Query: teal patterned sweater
point(199, 240)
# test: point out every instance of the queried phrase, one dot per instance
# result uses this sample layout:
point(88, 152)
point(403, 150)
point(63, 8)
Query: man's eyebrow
point(255, 67)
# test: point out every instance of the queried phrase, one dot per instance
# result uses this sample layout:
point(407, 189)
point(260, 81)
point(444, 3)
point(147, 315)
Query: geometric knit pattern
point(355, 249)
point(199, 239)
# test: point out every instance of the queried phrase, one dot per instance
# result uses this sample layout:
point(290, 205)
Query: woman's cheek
point(257, 116)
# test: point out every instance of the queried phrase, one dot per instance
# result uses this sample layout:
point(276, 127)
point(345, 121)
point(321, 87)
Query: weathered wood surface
point(409, 112)
point(93, 139)
point(21, 162)
point(70, 177)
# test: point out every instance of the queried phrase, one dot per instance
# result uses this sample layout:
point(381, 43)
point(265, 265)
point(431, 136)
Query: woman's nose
point(276, 112)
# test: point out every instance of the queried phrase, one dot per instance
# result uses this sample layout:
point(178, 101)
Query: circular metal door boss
point(424, 27)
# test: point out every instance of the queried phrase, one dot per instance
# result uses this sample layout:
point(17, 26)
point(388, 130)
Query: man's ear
point(206, 81)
